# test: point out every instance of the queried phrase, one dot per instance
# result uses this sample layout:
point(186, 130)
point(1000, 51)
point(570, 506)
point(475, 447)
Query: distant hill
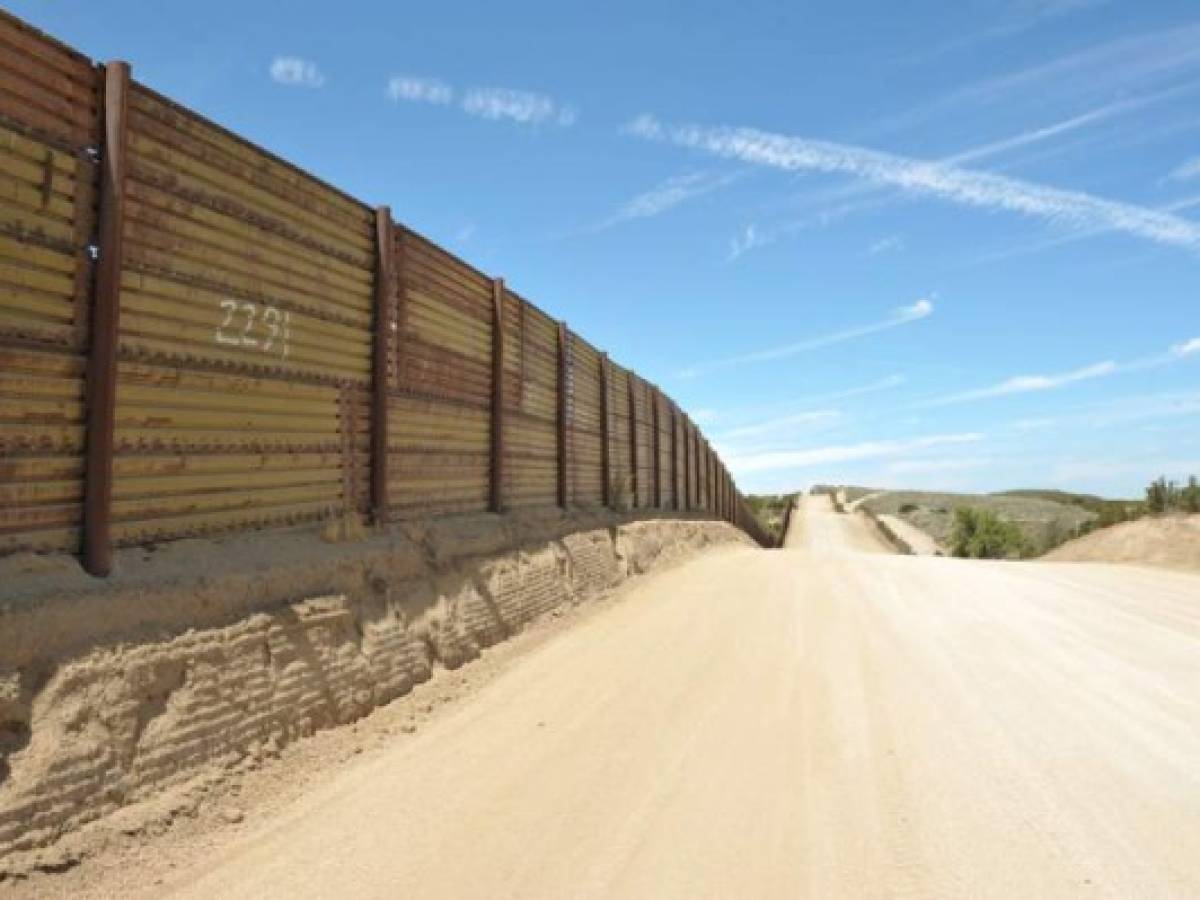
point(1108, 511)
point(1043, 522)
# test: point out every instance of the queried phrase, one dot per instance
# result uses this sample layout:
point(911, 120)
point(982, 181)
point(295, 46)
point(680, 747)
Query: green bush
point(1164, 496)
point(981, 534)
point(908, 508)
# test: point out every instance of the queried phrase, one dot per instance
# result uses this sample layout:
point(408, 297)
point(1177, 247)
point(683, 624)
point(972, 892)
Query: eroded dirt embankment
point(216, 653)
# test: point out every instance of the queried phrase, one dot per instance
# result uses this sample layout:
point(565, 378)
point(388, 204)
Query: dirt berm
point(1172, 542)
point(207, 653)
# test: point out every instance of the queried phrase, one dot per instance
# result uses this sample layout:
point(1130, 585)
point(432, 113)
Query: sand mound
point(1170, 541)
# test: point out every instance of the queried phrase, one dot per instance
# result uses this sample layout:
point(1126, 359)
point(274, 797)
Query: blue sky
point(934, 244)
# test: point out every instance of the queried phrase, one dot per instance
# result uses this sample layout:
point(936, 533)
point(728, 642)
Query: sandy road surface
point(812, 722)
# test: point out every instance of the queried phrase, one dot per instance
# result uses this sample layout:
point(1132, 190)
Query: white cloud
point(937, 466)
point(792, 459)
point(665, 196)
point(705, 416)
point(751, 413)
point(1120, 412)
point(745, 240)
point(1073, 209)
point(887, 244)
point(1187, 348)
point(1187, 170)
point(464, 234)
point(419, 90)
point(837, 202)
point(1020, 16)
point(779, 423)
point(292, 70)
point(1063, 240)
point(1023, 384)
point(524, 107)
point(1121, 67)
point(900, 316)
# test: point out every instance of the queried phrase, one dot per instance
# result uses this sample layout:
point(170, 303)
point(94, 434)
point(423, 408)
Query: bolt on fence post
point(563, 413)
point(605, 433)
point(496, 497)
point(106, 312)
point(384, 288)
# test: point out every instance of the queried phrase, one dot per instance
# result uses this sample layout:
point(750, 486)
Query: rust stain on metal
point(605, 432)
point(496, 500)
point(633, 441)
point(384, 289)
point(654, 401)
point(106, 308)
point(564, 411)
point(264, 349)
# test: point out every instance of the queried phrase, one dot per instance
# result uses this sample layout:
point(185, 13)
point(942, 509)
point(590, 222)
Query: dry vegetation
point(1037, 524)
point(770, 510)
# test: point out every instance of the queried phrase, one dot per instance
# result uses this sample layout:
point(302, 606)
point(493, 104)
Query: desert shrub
point(771, 511)
point(1164, 496)
point(981, 534)
point(908, 508)
point(1190, 496)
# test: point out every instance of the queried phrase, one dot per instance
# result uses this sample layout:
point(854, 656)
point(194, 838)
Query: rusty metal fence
point(197, 337)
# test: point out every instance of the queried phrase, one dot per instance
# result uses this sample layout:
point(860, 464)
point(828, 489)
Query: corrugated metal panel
point(46, 88)
point(244, 352)
point(645, 440)
point(48, 123)
point(677, 484)
point(531, 467)
point(664, 452)
point(622, 460)
point(693, 462)
point(440, 413)
point(587, 464)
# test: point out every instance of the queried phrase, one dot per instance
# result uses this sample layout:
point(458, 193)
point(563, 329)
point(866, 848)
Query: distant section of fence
point(197, 337)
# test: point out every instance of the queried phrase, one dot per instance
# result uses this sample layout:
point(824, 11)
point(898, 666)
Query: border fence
point(197, 337)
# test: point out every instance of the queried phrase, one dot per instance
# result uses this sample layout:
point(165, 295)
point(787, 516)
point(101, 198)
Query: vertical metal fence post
point(496, 498)
point(656, 398)
point(384, 288)
point(687, 465)
point(605, 434)
point(709, 478)
point(563, 412)
point(633, 443)
point(675, 457)
point(106, 312)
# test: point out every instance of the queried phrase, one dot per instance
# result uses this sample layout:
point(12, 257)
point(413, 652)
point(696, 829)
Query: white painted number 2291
point(237, 328)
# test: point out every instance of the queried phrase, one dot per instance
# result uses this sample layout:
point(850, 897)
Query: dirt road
point(812, 722)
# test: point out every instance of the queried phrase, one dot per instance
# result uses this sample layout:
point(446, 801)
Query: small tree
point(1164, 496)
point(1190, 496)
point(981, 534)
